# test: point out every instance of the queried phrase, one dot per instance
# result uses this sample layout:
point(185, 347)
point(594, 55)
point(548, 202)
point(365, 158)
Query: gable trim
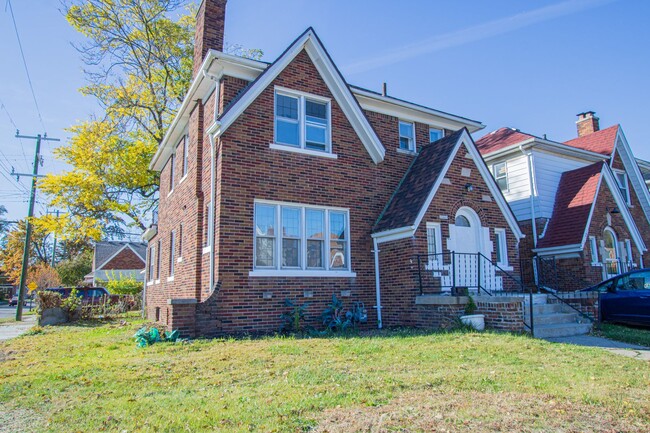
point(311, 44)
point(98, 268)
point(633, 172)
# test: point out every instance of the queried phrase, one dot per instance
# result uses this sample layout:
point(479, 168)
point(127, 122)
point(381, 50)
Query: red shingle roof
point(573, 201)
point(500, 139)
point(600, 141)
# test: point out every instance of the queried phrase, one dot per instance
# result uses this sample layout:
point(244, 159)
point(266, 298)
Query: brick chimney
point(587, 123)
point(210, 20)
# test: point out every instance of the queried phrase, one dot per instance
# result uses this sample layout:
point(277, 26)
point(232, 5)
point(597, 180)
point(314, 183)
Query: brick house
point(583, 204)
point(280, 180)
point(116, 260)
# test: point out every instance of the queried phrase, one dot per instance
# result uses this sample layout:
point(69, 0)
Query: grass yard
point(638, 336)
point(93, 378)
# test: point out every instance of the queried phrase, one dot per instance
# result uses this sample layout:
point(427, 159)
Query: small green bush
point(121, 285)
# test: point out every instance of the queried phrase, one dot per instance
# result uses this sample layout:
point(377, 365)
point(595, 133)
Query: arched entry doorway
point(467, 242)
point(610, 253)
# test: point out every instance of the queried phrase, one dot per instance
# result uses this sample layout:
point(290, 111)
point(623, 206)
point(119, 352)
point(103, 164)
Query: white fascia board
point(215, 65)
point(564, 249)
point(333, 80)
point(394, 234)
point(547, 146)
point(632, 169)
point(149, 233)
point(466, 139)
point(405, 110)
point(622, 207)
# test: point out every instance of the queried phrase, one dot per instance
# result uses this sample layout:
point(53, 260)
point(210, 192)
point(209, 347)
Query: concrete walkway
point(617, 347)
point(11, 330)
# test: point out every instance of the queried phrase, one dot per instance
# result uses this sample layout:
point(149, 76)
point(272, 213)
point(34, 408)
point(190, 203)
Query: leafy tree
point(44, 276)
point(3, 223)
point(72, 271)
point(139, 60)
point(11, 256)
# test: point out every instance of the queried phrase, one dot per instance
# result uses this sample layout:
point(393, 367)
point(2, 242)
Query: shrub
point(46, 299)
point(122, 285)
point(470, 308)
point(294, 318)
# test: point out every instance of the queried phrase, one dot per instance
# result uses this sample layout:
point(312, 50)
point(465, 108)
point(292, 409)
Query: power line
point(11, 120)
point(22, 54)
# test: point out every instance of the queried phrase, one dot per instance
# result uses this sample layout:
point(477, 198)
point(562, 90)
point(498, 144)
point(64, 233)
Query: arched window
point(611, 251)
point(462, 221)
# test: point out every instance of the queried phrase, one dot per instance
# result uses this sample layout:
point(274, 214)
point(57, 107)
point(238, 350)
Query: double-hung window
point(152, 258)
point(435, 134)
point(302, 121)
point(303, 239)
point(158, 260)
point(501, 247)
point(171, 172)
point(500, 172)
point(172, 253)
point(593, 246)
point(621, 179)
point(407, 136)
point(185, 154)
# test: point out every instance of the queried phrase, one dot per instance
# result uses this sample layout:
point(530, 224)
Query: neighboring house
point(583, 204)
point(279, 180)
point(117, 260)
point(644, 167)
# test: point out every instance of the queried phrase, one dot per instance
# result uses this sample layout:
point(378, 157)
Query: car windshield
point(634, 281)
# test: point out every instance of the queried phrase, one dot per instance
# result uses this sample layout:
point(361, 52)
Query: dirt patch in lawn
point(14, 420)
point(482, 412)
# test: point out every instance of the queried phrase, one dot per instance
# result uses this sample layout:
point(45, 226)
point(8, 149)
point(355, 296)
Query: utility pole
point(57, 212)
point(30, 214)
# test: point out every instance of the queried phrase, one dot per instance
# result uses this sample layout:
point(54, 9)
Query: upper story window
point(185, 155)
point(407, 136)
point(621, 179)
point(500, 172)
point(302, 121)
point(152, 258)
point(435, 134)
point(301, 238)
point(171, 172)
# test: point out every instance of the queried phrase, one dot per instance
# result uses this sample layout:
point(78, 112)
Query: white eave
point(215, 65)
point(372, 101)
point(548, 146)
point(150, 233)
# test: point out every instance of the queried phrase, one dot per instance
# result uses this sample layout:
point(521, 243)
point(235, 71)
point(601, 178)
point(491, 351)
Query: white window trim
point(503, 245)
point(496, 177)
point(151, 269)
point(627, 197)
point(442, 132)
point(399, 148)
point(172, 161)
point(432, 262)
point(278, 271)
point(302, 123)
point(172, 252)
point(593, 246)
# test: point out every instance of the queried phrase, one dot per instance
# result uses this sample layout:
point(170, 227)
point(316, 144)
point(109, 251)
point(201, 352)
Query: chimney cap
point(586, 114)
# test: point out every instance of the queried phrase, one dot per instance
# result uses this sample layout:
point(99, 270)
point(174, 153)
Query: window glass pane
point(503, 183)
point(290, 222)
point(286, 106)
point(435, 134)
point(462, 221)
point(315, 224)
point(498, 247)
point(337, 255)
point(337, 225)
point(286, 132)
point(264, 252)
point(315, 254)
point(499, 170)
point(316, 137)
point(264, 220)
point(406, 130)
point(404, 143)
point(290, 253)
point(431, 240)
point(316, 112)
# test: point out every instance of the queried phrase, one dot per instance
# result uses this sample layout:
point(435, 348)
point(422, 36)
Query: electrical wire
point(22, 54)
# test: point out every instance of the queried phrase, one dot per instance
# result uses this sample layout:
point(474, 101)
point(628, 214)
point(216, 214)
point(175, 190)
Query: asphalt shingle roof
point(602, 141)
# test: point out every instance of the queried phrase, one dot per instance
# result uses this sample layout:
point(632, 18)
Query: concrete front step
point(548, 309)
point(561, 329)
point(555, 318)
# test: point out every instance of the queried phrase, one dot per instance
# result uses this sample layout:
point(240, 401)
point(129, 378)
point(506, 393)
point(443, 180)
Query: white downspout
point(211, 211)
point(377, 285)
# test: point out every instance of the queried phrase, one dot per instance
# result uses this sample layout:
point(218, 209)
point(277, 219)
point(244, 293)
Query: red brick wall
point(125, 259)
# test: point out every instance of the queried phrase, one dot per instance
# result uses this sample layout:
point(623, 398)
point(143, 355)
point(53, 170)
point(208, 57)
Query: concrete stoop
point(557, 320)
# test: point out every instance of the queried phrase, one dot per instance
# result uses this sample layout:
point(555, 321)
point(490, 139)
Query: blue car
point(625, 298)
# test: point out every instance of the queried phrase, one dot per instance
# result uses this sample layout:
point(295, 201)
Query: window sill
point(149, 283)
point(170, 193)
point(182, 179)
point(170, 279)
point(179, 260)
point(597, 264)
point(157, 282)
point(303, 151)
point(301, 273)
point(206, 250)
point(406, 152)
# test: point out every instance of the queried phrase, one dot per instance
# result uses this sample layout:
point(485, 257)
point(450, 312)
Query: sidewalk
point(617, 347)
point(11, 330)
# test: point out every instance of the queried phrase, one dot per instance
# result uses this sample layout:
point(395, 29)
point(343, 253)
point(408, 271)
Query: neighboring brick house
point(587, 198)
point(117, 260)
point(279, 180)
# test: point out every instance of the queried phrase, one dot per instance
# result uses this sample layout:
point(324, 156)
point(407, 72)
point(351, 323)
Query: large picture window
point(301, 238)
point(302, 121)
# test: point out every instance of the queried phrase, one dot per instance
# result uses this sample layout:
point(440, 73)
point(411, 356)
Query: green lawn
point(93, 378)
point(623, 333)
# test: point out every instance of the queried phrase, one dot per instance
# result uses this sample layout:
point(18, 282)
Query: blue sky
point(527, 64)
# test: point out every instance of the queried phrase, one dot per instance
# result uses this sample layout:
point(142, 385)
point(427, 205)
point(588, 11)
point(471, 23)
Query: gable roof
point(412, 197)
point(309, 42)
point(575, 201)
point(602, 141)
point(501, 138)
point(105, 251)
point(576, 194)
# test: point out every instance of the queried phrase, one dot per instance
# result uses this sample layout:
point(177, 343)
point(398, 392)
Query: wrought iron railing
point(470, 273)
